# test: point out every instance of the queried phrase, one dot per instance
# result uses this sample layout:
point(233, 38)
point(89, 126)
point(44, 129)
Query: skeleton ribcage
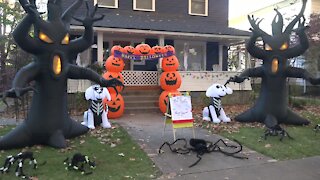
point(96, 107)
point(216, 103)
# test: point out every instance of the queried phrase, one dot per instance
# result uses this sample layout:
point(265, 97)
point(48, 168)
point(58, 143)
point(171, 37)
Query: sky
point(243, 7)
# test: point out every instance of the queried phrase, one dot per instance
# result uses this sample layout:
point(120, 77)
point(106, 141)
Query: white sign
point(181, 108)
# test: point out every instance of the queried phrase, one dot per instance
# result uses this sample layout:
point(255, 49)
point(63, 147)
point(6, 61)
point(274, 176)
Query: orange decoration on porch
point(170, 63)
point(114, 64)
point(115, 106)
point(163, 99)
point(117, 47)
point(170, 80)
point(170, 48)
point(110, 75)
point(142, 49)
point(128, 50)
point(158, 49)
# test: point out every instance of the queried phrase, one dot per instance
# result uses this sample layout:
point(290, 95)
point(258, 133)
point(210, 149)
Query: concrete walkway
point(147, 130)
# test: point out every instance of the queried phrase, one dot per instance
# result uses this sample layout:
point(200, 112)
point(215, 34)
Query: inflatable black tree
point(272, 105)
point(48, 121)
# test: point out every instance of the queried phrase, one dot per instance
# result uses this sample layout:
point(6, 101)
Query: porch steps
point(141, 99)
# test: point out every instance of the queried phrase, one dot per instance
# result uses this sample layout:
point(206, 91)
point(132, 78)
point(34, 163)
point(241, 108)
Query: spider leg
point(7, 164)
point(178, 150)
point(195, 163)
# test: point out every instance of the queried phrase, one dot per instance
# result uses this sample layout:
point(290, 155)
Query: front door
point(123, 44)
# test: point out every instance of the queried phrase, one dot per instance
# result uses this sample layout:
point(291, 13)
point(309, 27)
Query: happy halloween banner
point(134, 57)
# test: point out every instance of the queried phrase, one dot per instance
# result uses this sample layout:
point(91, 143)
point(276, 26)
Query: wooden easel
point(169, 118)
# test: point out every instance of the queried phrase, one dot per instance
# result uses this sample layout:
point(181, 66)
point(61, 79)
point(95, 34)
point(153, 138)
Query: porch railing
point(141, 78)
point(191, 80)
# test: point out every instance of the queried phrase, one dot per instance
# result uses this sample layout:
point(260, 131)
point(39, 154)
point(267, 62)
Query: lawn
point(116, 156)
point(305, 142)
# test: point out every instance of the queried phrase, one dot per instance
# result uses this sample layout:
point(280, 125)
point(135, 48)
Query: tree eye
point(45, 38)
point(284, 46)
point(65, 40)
point(267, 47)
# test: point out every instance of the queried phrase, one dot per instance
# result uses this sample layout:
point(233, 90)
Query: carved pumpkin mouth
point(114, 109)
point(171, 82)
point(115, 64)
point(144, 53)
point(170, 64)
point(56, 65)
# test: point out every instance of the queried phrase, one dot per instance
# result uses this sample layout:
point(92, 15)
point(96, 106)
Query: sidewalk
point(147, 130)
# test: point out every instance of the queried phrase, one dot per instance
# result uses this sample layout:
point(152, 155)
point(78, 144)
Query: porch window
point(198, 7)
point(144, 5)
point(191, 55)
point(107, 3)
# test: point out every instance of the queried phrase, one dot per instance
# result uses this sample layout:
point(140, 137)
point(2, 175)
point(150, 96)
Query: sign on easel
point(179, 112)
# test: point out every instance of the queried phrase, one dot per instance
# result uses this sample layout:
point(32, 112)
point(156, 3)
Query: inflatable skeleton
point(214, 112)
point(96, 114)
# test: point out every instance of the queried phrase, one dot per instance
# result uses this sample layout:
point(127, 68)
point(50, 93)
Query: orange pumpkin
point(110, 75)
point(163, 99)
point(170, 63)
point(128, 50)
point(170, 80)
point(142, 49)
point(115, 106)
point(117, 47)
point(170, 48)
point(114, 64)
point(158, 49)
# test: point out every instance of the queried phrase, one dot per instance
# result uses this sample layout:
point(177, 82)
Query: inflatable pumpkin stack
point(114, 66)
point(170, 79)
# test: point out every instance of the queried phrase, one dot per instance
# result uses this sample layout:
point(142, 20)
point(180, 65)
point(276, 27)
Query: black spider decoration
point(20, 158)
point(202, 147)
point(272, 104)
point(275, 131)
point(53, 50)
point(78, 163)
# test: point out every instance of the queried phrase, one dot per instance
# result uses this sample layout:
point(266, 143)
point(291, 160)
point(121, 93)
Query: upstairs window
point(107, 3)
point(198, 7)
point(144, 5)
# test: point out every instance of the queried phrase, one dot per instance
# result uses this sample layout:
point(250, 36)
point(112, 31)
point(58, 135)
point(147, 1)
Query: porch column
point(220, 56)
point(100, 47)
point(161, 43)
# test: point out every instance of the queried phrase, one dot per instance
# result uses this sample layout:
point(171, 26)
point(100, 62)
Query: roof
point(173, 24)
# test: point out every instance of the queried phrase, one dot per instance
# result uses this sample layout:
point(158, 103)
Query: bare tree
point(10, 15)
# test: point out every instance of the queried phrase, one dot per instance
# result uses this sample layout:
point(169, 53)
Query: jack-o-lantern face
point(163, 99)
point(117, 48)
point(158, 49)
point(114, 64)
point(170, 80)
point(170, 63)
point(142, 49)
point(110, 75)
point(128, 50)
point(115, 106)
point(170, 48)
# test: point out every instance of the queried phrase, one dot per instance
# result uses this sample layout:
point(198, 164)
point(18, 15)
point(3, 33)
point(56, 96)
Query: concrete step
point(141, 99)
point(133, 98)
point(136, 104)
point(139, 110)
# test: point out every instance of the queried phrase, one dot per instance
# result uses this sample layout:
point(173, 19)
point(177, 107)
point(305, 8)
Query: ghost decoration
point(96, 114)
point(214, 112)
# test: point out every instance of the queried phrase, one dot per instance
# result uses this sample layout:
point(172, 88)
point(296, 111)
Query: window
point(191, 55)
point(198, 7)
point(107, 3)
point(144, 5)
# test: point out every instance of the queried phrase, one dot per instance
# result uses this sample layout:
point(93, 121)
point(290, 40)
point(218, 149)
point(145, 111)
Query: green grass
point(135, 164)
point(305, 142)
